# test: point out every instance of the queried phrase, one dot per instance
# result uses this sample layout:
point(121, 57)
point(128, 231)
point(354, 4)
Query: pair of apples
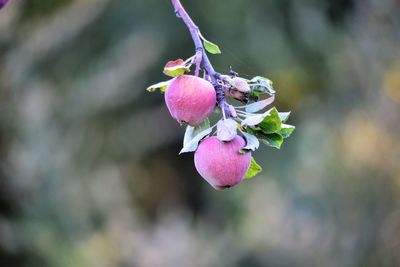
point(190, 100)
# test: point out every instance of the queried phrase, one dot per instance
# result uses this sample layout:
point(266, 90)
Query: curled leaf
point(260, 85)
point(255, 119)
point(259, 105)
point(268, 122)
point(226, 129)
point(175, 68)
point(188, 135)
point(193, 135)
point(263, 82)
point(273, 140)
point(161, 85)
point(193, 131)
point(192, 145)
point(252, 143)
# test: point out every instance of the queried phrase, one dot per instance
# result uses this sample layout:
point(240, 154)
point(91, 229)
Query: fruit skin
point(220, 163)
point(190, 99)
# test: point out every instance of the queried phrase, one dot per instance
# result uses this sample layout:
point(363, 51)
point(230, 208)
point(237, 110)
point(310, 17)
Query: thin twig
point(203, 59)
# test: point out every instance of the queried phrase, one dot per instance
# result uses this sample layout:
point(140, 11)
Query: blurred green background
point(89, 167)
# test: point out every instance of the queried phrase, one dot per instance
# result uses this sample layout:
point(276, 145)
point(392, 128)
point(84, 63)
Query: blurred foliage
point(89, 171)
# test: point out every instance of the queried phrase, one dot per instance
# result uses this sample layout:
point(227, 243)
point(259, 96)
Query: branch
point(203, 59)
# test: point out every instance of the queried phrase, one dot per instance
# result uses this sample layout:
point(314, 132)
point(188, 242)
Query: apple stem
point(201, 56)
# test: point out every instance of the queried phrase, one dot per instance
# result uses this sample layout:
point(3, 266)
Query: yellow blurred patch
point(100, 250)
point(290, 85)
point(366, 145)
point(392, 82)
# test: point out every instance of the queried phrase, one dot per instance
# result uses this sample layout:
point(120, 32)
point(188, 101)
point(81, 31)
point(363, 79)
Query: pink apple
point(220, 163)
point(190, 99)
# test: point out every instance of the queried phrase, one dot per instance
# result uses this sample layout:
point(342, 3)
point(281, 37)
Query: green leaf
point(286, 130)
point(161, 85)
point(253, 170)
point(271, 123)
point(273, 139)
point(210, 47)
point(268, 122)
